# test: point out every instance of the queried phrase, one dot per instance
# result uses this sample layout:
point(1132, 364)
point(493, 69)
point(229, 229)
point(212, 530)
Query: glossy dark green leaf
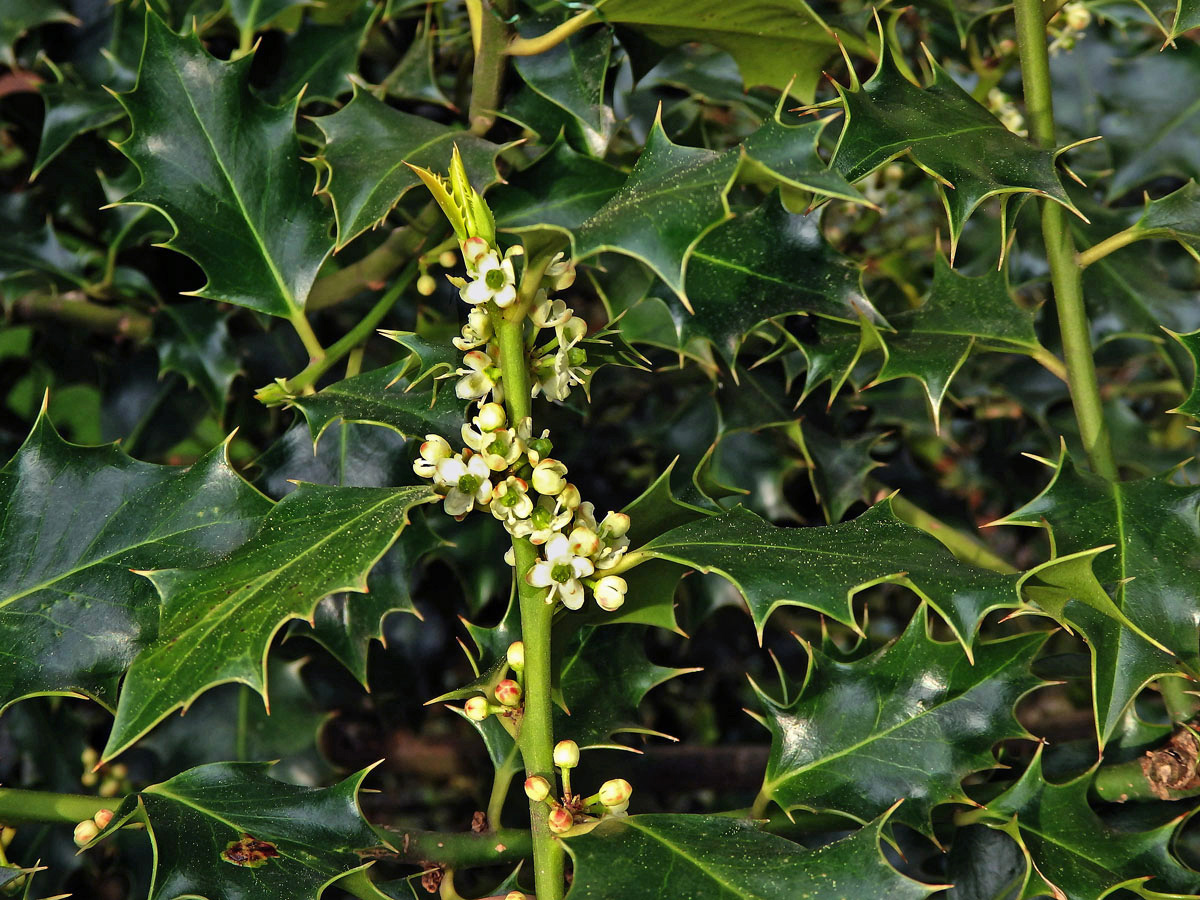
point(1150, 573)
point(367, 144)
point(674, 196)
point(202, 141)
point(789, 154)
point(318, 59)
point(291, 842)
point(572, 75)
point(217, 622)
point(31, 254)
point(834, 355)
point(377, 398)
point(193, 340)
point(1187, 17)
point(251, 15)
point(838, 468)
point(907, 723)
point(1175, 216)
point(75, 521)
point(603, 676)
point(984, 864)
point(414, 77)
point(718, 858)
point(964, 147)
point(822, 568)
point(560, 191)
point(1072, 853)
point(764, 264)
point(773, 41)
point(1191, 405)
point(72, 110)
point(932, 341)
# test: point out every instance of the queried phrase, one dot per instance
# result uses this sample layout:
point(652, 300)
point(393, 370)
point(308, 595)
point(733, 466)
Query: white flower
point(473, 249)
point(495, 280)
point(560, 571)
point(547, 313)
point(433, 451)
point(570, 333)
point(479, 378)
point(537, 448)
point(561, 272)
point(549, 477)
point(549, 517)
point(610, 592)
point(510, 500)
point(477, 331)
point(499, 449)
point(469, 483)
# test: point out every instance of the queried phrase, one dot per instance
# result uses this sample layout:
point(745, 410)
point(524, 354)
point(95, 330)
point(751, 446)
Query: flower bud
point(508, 693)
point(615, 792)
point(103, 817)
point(476, 708)
point(447, 259)
point(583, 541)
point(560, 820)
point(86, 832)
point(515, 895)
point(615, 524)
point(426, 285)
point(491, 417)
point(566, 754)
point(537, 788)
point(610, 592)
point(570, 497)
point(516, 655)
point(472, 249)
point(549, 477)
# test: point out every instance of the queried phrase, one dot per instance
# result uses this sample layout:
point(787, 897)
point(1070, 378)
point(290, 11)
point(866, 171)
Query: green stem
point(456, 849)
point(277, 393)
point(552, 38)
point(17, 806)
point(308, 337)
point(1060, 247)
point(1127, 781)
point(72, 307)
point(487, 76)
point(536, 738)
point(1085, 258)
point(501, 782)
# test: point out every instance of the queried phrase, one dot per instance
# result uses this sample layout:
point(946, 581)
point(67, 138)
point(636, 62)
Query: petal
point(572, 594)
point(539, 575)
point(582, 567)
point(458, 503)
point(558, 547)
point(450, 470)
point(476, 292)
point(505, 296)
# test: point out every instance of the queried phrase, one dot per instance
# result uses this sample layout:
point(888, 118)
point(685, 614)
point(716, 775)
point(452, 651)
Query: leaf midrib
point(739, 891)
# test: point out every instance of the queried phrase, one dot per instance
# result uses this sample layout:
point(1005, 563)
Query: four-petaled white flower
point(468, 482)
point(560, 571)
point(510, 500)
point(477, 331)
point(479, 377)
point(495, 280)
point(547, 313)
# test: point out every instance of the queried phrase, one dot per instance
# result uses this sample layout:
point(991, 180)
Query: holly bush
point(517, 447)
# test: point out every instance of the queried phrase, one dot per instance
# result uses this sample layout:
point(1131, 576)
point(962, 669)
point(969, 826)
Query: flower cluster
point(1074, 19)
point(611, 800)
point(508, 472)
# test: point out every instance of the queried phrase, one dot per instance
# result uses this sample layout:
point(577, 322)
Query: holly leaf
point(780, 43)
point(965, 148)
point(1187, 17)
point(788, 154)
point(193, 340)
point(644, 857)
point(72, 110)
point(1175, 216)
point(229, 830)
point(202, 140)
point(909, 722)
point(1191, 343)
point(1070, 852)
point(674, 196)
point(931, 342)
point(823, 568)
point(571, 75)
point(603, 677)
point(764, 264)
point(367, 144)
point(1150, 576)
point(414, 77)
point(838, 468)
point(378, 398)
point(75, 520)
point(251, 15)
point(217, 622)
point(319, 59)
point(560, 191)
point(31, 253)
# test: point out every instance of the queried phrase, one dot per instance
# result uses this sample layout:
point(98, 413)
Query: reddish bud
point(537, 788)
point(85, 832)
point(476, 708)
point(560, 820)
point(103, 817)
point(615, 792)
point(508, 693)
